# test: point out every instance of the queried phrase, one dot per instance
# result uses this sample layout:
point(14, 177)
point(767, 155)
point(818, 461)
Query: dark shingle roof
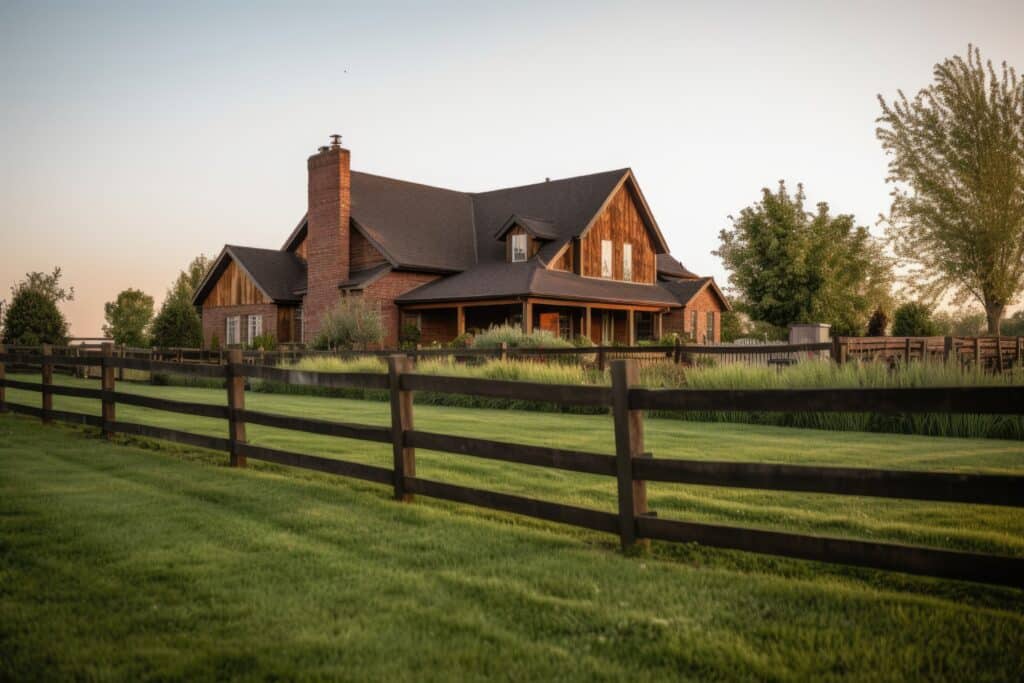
point(500, 279)
point(685, 290)
point(359, 279)
point(279, 274)
point(538, 227)
point(670, 266)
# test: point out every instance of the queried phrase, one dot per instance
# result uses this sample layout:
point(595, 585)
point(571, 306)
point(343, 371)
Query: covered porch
point(603, 323)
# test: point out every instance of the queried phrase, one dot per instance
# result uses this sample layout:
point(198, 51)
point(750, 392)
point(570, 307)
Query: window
point(606, 258)
point(518, 248)
point(564, 326)
point(233, 331)
point(644, 325)
point(255, 327)
point(627, 262)
point(709, 331)
point(693, 325)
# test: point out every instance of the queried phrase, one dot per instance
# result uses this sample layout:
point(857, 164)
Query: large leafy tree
point(178, 322)
point(128, 317)
point(789, 265)
point(957, 163)
point(33, 316)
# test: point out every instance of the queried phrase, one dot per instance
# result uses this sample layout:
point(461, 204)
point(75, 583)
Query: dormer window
point(519, 246)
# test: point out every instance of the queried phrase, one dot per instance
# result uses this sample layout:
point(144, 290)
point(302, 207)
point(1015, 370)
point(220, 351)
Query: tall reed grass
point(807, 375)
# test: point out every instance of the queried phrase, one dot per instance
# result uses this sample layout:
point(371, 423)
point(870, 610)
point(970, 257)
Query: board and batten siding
point(235, 288)
point(620, 222)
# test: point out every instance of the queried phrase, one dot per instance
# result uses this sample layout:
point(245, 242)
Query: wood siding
point(565, 261)
point(621, 223)
point(235, 288)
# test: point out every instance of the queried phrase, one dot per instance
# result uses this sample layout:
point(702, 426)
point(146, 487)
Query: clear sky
point(136, 135)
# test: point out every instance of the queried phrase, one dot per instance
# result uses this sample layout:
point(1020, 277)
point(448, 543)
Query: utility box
point(811, 333)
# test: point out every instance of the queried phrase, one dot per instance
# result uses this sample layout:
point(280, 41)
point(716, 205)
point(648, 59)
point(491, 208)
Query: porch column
point(460, 313)
point(631, 327)
point(588, 328)
point(528, 316)
point(658, 320)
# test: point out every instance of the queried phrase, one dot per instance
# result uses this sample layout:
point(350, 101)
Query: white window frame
point(606, 258)
point(520, 247)
point(233, 330)
point(254, 327)
point(627, 262)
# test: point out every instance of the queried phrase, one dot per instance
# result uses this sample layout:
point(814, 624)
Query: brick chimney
point(327, 251)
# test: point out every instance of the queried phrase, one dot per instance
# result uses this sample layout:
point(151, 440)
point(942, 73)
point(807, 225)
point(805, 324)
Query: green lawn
point(128, 561)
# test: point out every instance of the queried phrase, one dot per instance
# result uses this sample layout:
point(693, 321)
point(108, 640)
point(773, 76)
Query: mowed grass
point(126, 561)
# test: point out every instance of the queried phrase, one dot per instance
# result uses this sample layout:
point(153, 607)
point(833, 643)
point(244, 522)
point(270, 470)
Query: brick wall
point(363, 254)
point(385, 290)
point(680, 320)
point(214, 321)
point(327, 241)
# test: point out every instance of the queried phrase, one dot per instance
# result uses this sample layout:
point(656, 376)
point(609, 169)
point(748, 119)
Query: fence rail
point(631, 466)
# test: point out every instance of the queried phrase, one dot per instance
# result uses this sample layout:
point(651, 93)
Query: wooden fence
point(632, 466)
point(995, 354)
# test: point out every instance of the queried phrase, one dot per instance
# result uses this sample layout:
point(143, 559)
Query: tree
point(354, 323)
point(128, 317)
point(957, 166)
point(732, 326)
point(913, 319)
point(178, 323)
point(961, 323)
point(1014, 325)
point(32, 319)
point(790, 266)
point(878, 323)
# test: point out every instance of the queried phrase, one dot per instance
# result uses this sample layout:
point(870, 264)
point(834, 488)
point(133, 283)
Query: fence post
point(504, 352)
point(677, 353)
point(977, 352)
point(629, 444)
point(46, 369)
point(401, 421)
point(600, 358)
point(3, 376)
point(947, 349)
point(906, 350)
point(999, 354)
point(236, 403)
point(108, 411)
point(1020, 350)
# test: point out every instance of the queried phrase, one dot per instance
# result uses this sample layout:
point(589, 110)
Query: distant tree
point(128, 318)
point(354, 323)
point(732, 326)
point(957, 164)
point(178, 323)
point(791, 266)
point(967, 322)
point(913, 319)
point(878, 324)
point(1014, 325)
point(32, 319)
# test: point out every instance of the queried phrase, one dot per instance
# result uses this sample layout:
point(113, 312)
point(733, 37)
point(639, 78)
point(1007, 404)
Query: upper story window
point(519, 243)
point(606, 258)
point(709, 331)
point(627, 262)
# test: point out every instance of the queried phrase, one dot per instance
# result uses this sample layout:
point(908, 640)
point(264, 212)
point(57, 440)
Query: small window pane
point(606, 258)
point(627, 262)
point(710, 330)
point(518, 248)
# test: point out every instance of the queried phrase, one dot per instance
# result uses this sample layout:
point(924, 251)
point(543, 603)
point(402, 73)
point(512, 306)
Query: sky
point(137, 135)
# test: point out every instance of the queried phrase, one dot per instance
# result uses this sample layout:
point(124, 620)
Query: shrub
point(267, 342)
point(913, 319)
point(463, 341)
point(582, 341)
point(215, 343)
point(409, 336)
point(493, 337)
point(878, 324)
point(33, 318)
point(354, 323)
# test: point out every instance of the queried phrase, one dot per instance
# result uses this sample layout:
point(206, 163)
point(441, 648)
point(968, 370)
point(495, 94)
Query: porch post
point(528, 316)
point(461, 316)
point(659, 317)
point(588, 328)
point(631, 338)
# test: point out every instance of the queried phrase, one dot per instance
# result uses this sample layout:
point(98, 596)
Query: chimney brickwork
point(327, 239)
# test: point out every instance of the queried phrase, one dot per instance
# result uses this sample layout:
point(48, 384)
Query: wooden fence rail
point(631, 466)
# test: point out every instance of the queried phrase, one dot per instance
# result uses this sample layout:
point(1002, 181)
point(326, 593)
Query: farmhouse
point(578, 256)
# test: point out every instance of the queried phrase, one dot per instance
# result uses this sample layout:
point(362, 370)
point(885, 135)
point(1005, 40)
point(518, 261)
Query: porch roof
point(504, 280)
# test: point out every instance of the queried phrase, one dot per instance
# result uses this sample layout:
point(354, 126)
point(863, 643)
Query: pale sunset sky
point(137, 135)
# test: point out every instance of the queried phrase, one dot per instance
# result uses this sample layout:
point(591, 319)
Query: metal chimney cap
point(335, 140)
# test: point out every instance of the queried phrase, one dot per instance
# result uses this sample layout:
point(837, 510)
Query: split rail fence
point(631, 466)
